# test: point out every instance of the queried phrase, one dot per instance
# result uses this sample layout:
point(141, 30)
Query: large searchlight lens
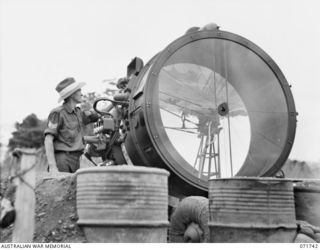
point(210, 105)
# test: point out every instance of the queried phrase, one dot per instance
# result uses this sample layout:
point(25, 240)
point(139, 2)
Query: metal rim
point(248, 178)
point(122, 223)
point(123, 169)
point(152, 115)
point(253, 226)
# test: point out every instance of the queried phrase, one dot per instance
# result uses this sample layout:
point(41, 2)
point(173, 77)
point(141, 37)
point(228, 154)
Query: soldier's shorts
point(68, 161)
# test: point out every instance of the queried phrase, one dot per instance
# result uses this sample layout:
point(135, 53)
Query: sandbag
point(317, 237)
point(193, 233)
point(302, 238)
point(189, 221)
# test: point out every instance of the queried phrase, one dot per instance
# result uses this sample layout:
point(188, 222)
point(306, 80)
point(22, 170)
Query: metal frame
point(152, 114)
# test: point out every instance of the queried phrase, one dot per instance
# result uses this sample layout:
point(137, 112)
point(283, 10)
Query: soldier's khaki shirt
point(67, 126)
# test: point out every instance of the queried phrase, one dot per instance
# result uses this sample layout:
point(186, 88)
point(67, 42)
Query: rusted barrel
point(123, 204)
point(307, 200)
point(251, 210)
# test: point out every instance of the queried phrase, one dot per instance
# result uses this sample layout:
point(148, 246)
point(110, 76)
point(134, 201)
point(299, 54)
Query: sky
point(44, 41)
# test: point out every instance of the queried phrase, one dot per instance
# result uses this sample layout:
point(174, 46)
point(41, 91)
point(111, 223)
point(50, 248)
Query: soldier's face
point(77, 96)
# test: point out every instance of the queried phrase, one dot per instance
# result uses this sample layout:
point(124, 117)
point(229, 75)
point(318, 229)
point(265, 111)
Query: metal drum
point(251, 210)
point(307, 200)
point(123, 204)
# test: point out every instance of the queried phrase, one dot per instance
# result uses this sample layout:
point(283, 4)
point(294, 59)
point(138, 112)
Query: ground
point(56, 215)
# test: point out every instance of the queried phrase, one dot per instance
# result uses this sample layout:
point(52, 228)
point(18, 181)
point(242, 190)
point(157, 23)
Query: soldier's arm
point(89, 116)
point(50, 133)
point(48, 143)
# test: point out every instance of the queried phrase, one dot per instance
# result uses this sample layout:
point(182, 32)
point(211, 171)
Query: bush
point(28, 134)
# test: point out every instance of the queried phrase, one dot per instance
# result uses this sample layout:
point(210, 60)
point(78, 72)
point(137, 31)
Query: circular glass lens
point(222, 109)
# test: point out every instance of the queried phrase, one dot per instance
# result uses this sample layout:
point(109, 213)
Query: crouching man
point(65, 128)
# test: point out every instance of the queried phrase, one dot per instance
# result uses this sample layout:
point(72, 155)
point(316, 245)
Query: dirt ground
point(56, 214)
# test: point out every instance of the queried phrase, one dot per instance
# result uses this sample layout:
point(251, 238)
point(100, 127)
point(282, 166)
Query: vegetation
point(28, 134)
point(89, 98)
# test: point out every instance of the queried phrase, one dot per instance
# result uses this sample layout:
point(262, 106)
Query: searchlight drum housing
point(210, 105)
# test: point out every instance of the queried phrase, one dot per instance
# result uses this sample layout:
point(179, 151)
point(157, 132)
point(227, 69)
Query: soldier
point(65, 128)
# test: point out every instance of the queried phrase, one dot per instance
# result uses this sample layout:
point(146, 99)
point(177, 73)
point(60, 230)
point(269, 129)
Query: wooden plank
point(25, 198)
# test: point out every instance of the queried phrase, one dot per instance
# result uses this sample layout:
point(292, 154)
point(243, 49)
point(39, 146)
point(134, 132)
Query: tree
point(111, 89)
point(28, 134)
point(88, 100)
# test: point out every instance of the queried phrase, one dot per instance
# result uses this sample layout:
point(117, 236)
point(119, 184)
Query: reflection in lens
point(204, 119)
